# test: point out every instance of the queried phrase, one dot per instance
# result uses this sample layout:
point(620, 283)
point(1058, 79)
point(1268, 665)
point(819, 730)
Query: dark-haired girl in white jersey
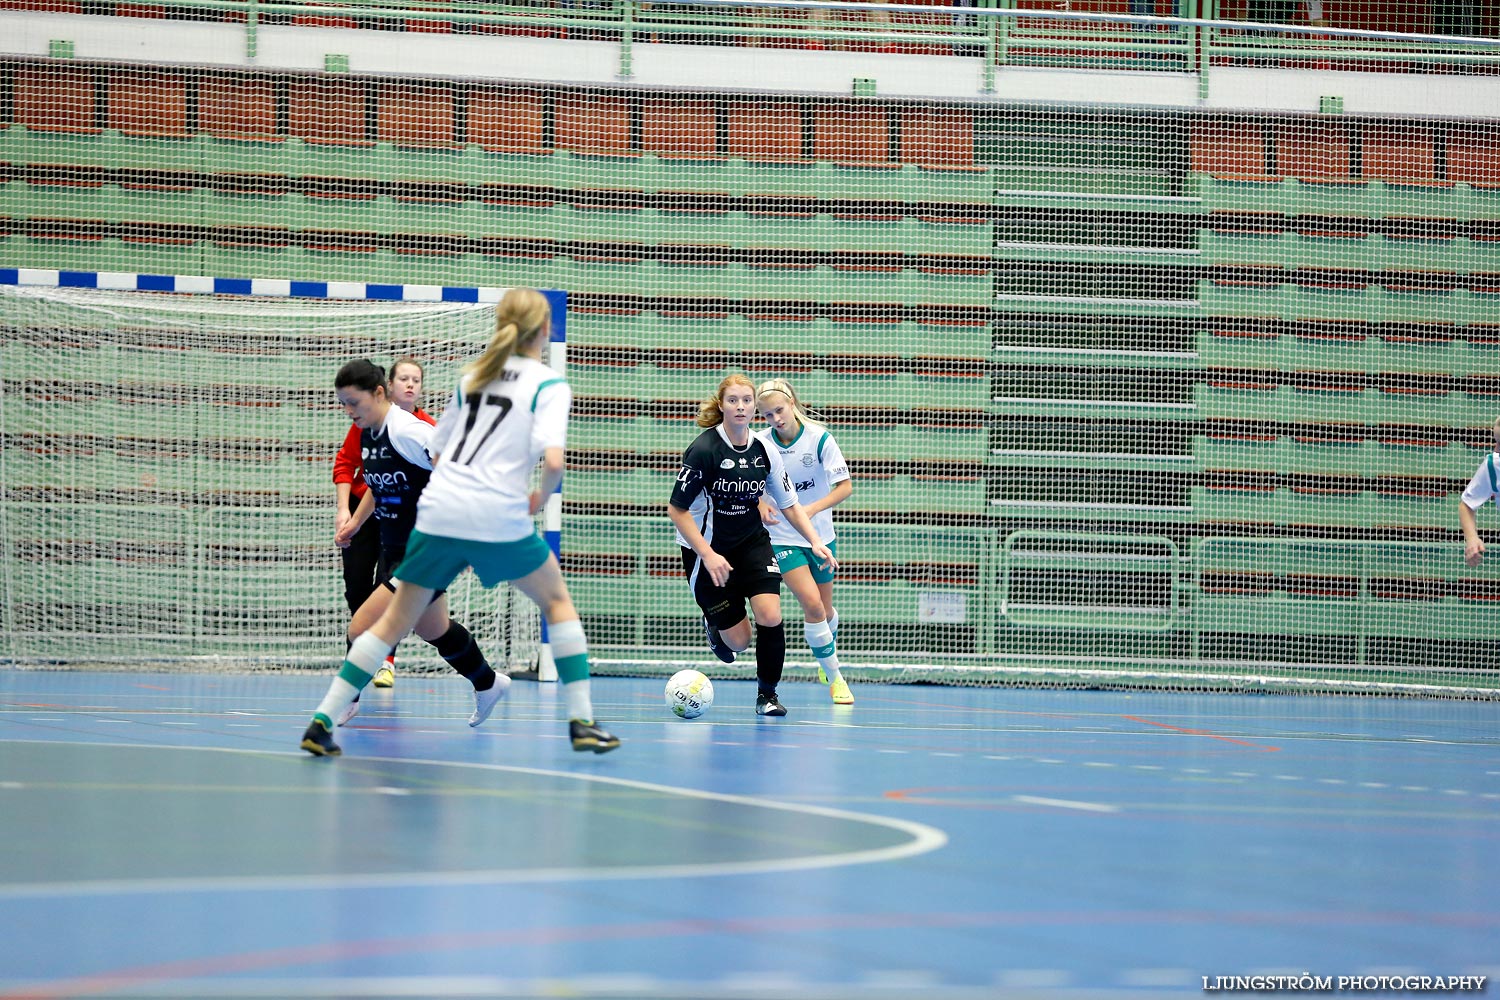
point(395, 465)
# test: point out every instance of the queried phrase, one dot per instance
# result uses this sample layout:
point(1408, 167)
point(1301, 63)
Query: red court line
point(108, 982)
point(946, 707)
point(1203, 732)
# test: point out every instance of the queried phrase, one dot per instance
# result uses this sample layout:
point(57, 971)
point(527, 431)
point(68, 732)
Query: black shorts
point(390, 559)
point(753, 571)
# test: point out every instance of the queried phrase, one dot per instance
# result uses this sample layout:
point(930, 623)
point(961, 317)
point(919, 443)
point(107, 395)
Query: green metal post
point(252, 23)
point(1188, 34)
point(988, 632)
point(993, 43)
point(1362, 648)
point(627, 38)
point(1204, 40)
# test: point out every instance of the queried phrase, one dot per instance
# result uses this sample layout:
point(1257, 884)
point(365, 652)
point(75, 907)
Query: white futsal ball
point(689, 693)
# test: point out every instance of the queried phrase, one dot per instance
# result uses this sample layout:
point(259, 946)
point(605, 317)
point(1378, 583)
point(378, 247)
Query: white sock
point(580, 705)
point(820, 638)
point(570, 650)
point(340, 694)
point(365, 656)
point(367, 653)
point(833, 622)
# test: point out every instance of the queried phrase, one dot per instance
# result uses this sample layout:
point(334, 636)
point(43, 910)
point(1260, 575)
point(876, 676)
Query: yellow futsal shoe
point(822, 677)
point(839, 690)
point(384, 677)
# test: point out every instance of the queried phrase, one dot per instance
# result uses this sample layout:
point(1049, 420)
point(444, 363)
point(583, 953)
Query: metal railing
point(1193, 41)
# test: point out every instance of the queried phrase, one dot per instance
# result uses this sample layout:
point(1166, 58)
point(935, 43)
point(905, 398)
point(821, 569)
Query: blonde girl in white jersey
point(476, 511)
point(821, 476)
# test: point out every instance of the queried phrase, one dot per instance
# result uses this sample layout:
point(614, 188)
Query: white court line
point(1036, 800)
point(923, 838)
point(1085, 728)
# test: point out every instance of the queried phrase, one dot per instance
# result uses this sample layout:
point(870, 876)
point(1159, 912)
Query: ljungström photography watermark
point(1309, 983)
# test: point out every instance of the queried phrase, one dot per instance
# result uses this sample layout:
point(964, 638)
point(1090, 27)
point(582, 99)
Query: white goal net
point(167, 459)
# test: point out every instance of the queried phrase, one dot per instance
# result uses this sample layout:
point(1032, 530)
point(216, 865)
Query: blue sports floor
point(163, 836)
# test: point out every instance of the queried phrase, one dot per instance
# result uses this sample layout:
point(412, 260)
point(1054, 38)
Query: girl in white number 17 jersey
point(509, 410)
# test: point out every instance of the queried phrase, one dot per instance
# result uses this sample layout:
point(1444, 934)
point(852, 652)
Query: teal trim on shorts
point(789, 557)
point(434, 561)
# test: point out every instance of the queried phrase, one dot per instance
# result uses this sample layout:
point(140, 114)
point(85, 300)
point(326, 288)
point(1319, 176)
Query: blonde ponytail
point(711, 410)
point(522, 315)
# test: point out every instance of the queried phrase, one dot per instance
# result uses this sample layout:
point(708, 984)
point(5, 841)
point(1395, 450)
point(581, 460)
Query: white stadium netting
point(1161, 349)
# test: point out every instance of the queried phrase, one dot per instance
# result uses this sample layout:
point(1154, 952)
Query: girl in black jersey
point(726, 551)
point(393, 448)
point(361, 552)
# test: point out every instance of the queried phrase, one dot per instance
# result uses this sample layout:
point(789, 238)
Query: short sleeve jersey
point(1485, 484)
point(396, 467)
point(721, 486)
point(815, 464)
point(488, 441)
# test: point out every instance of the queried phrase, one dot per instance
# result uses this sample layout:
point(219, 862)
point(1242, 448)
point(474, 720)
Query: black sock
point(770, 657)
point(458, 647)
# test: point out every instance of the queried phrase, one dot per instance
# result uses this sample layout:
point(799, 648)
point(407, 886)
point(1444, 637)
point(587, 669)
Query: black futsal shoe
point(318, 741)
point(588, 736)
point(768, 705)
point(716, 643)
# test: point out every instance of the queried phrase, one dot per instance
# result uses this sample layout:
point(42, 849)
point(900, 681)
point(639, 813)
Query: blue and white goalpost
point(546, 668)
